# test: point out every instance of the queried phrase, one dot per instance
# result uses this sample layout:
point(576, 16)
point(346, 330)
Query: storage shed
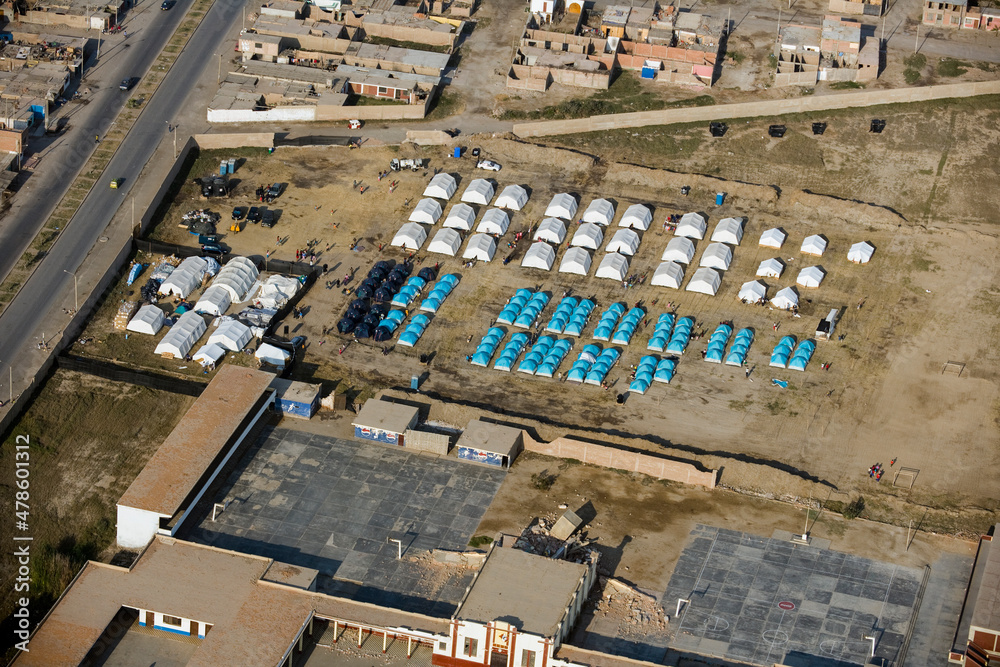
point(295, 399)
point(492, 444)
point(383, 421)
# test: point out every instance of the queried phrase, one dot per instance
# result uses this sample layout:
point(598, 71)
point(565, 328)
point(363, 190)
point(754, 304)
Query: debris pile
point(537, 539)
point(637, 613)
point(200, 221)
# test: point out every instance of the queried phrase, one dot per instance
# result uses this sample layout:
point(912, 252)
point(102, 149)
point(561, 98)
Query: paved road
point(19, 322)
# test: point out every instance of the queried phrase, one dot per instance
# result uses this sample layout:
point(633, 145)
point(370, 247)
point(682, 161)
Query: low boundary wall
point(612, 457)
point(866, 98)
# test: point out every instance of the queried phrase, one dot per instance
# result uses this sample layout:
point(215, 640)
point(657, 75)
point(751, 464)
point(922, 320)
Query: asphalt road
point(20, 320)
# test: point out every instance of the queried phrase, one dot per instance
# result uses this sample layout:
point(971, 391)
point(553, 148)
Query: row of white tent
point(479, 191)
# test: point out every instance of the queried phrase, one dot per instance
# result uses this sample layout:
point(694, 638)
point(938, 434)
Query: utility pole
point(76, 292)
point(916, 42)
point(779, 20)
point(133, 213)
point(175, 140)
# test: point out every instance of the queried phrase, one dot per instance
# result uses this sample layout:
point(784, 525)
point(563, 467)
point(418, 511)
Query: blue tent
point(511, 351)
point(803, 353)
point(779, 359)
point(538, 351)
point(396, 316)
point(623, 334)
point(681, 336)
point(599, 370)
point(639, 385)
point(587, 357)
point(553, 358)
point(430, 304)
point(665, 370)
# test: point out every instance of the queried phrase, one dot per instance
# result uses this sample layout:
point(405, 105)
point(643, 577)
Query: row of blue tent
point(661, 332)
point(650, 370)
point(511, 351)
point(783, 355)
point(681, 336)
point(592, 364)
point(487, 346)
point(438, 293)
point(626, 328)
point(414, 330)
point(388, 325)
point(545, 356)
point(608, 327)
point(741, 345)
point(523, 308)
point(571, 316)
point(717, 343)
point(408, 292)
point(607, 322)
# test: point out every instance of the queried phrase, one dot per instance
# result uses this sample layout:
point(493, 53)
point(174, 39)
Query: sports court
point(766, 601)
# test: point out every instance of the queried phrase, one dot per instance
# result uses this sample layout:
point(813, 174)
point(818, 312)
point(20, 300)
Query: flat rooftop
point(253, 621)
point(386, 416)
point(986, 603)
point(395, 54)
point(801, 36)
point(530, 592)
point(490, 437)
point(178, 464)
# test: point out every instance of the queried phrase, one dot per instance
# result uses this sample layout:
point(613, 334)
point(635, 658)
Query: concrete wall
point(386, 112)
point(424, 441)
point(136, 528)
point(754, 109)
point(611, 457)
point(523, 77)
point(409, 34)
point(278, 114)
point(428, 137)
point(236, 140)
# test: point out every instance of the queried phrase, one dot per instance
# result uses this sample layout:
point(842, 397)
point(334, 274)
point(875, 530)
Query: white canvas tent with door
point(729, 230)
point(237, 277)
point(188, 276)
point(552, 230)
point(717, 256)
point(563, 206)
point(753, 292)
point(495, 221)
point(214, 301)
point(231, 335)
point(512, 197)
point(480, 191)
point(786, 299)
point(588, 235)
point(668, 274)
point(811, 276)
point(410, 236)
point(705, 281)
point(600, 212)
point(182, 336)
point(442, 186)
point(625, 241)
point(149, 320)
point(613, 266)
point(209, 354)
point(771, 268)
point(481, 247)
point(861, 253)
point(773, 238)
point(692, 226)
point(637, 216)
point(445, 242)
point(539, 256)
point(814, 245)
point(461, 216)
point(272, 354)
point(680, 250)
point(427, 211)
point(577, 261)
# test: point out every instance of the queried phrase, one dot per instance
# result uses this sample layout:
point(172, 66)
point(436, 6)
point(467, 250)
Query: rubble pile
point(536, 539)
point(637, 613)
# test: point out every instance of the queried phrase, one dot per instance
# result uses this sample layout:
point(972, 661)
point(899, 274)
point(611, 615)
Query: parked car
point(213, 249)
point(127, 84)
point(239, 212)
point(253, 215)
point(267, 218)
point(272, 193)
point(489, 165)
point(354, 124)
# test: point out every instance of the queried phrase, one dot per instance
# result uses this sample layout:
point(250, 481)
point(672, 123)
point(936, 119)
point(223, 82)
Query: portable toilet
point(222, 168)
point(458, 151)
point(719, 198)
point(415, 382)
point(230, 165)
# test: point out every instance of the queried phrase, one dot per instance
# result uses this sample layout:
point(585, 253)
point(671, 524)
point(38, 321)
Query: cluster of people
point(633, 280)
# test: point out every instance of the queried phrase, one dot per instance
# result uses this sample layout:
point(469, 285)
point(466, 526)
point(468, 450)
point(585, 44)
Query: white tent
point(208, 354)
point(811, 276)
point(442, 186)
point(512, 197)
point(445, 242)
point(461, 216)
point(786, 299)
point(680, 250)
point(771, 268)
point(717, 256)
point(481, 246)
point(494, 221)
point(276, 291)
point(575, 260)
point(410, 236)
point(182, 336)
point(613, 266)
point(231, 335)
point(861, 253)
point(272, 355)
point(691, 225)
point(729, 230)
point(427, 211)
point(552, 230)
point(814, 245)
point(705, 281)
point(600, 211)
point(562, 206)
point(625, 241)
point(753, 292)
point(237, 277)
point(539, 256)
point(668, 274)
point(773, 238)
point(637, 216)
point(186, 277)
point(480, 191)
point(214, 301)
point(588, 235)
point(148, 320)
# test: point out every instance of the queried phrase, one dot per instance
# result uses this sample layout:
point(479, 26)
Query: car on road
point(239, 212)
point(253, 215)
point(488, 165)
point(166, 4)
point(267, 218)
point(127, 84)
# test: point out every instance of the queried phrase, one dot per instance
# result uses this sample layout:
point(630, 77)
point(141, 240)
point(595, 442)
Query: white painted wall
point(184, 628)
point(289, 113)
point(530, 643)
point(473, 631)
point(136, 527)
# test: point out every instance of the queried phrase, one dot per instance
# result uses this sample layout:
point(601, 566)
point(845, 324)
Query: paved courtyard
point(333, 504)
point(768, 601)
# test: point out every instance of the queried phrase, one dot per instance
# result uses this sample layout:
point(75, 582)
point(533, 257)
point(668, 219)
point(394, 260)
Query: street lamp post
point(76, 292)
